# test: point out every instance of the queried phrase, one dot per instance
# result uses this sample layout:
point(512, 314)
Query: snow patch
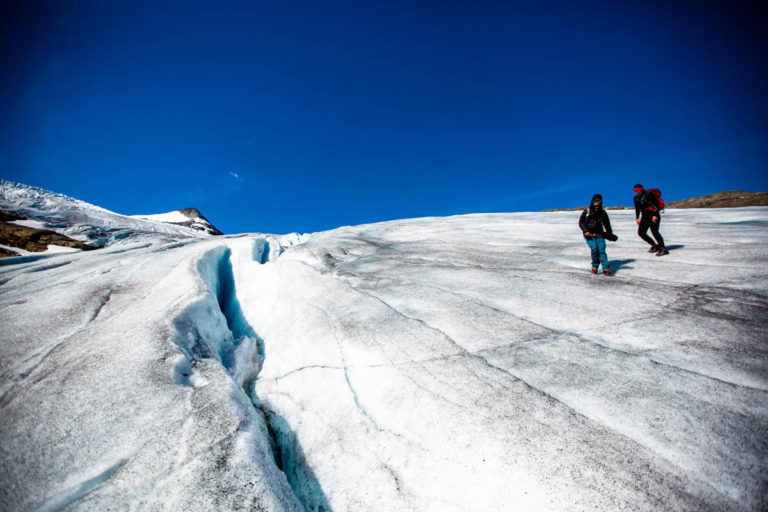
point(35, 224)
point(17, 250)
point(58, 249)
point(171, 217)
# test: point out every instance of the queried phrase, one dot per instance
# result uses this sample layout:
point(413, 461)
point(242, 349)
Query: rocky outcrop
point(728, 199)
point(31, 239)
point(5, 253)
point(8, 216)
point(198, 221)
point(584, 207)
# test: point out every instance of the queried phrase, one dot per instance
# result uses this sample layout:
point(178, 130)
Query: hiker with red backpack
point(648, 207)
point(596, 226)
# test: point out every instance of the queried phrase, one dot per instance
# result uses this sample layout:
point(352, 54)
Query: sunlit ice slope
point(469, 363)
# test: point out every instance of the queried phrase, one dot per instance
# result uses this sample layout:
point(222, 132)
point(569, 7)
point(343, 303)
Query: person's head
point(638, 188)
point(597, 201)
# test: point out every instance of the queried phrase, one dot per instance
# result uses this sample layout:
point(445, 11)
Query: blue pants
point(597, 244)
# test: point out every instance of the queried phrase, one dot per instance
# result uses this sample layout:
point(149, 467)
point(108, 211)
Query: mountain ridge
point(724, 199)
point(52, 216)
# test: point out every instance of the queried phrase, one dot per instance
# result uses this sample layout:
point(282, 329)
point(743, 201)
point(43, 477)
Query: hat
point(596, 198)
point(637, 187)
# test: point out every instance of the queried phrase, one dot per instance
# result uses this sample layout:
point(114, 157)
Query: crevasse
point(243, 360)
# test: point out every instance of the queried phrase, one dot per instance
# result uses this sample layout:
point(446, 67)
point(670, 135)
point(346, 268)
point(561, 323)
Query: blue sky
point(303, 116)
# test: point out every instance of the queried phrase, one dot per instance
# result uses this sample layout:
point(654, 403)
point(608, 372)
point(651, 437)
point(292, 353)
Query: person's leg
point(655, 231)
point(642, 229)
point(592, 243)
point(600, 242)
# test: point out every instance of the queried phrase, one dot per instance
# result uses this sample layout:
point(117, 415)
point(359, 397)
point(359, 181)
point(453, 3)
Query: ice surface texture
point(469, 363)
point(114, 395)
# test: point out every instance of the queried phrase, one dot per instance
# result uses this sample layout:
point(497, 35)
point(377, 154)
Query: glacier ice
point(467, 363)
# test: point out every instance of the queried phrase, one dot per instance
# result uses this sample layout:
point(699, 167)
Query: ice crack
point(243, 361)
point(65, 498)
point(357, 399)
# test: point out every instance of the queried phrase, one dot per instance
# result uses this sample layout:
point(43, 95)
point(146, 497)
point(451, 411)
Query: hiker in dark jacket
point(648, 215)
point(596, 226)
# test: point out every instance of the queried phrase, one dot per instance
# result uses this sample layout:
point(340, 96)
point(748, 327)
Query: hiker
point(648, 215)
point(596, 226)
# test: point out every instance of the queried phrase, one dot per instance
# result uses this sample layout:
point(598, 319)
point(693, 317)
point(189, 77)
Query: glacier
point(468, 363)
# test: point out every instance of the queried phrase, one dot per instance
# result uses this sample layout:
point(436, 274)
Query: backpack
point(657, 194)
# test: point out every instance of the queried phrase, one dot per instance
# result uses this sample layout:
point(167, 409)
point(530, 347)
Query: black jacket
point(646, 202)
point(595, 221)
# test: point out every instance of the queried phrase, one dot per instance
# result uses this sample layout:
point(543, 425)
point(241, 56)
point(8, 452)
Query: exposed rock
point(35, 240)
point(5, 253)
point(584, 208)
point(198, 221)
point(729, 199)
point(186, 217)
point(8, 216)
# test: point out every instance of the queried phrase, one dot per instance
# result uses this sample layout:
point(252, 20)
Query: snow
point(36, 224)
point(467, 363)
point(17, 250)
point(52, 249)
point(57, 249)
point(175, 216)
point(181, 217)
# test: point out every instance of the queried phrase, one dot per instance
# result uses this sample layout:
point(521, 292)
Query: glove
point(611, 237)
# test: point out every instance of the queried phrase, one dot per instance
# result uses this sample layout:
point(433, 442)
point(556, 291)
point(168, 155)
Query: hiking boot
point(594, 271)
point(662, 251)
point(608, 272)
point(654, 248)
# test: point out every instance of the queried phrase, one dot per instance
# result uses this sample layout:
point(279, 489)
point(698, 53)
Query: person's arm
point(653, 203)
point(583, 223)
point(607, 223)
point(638, 207)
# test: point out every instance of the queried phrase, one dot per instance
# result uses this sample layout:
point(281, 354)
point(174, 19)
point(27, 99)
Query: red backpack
point(657, 194)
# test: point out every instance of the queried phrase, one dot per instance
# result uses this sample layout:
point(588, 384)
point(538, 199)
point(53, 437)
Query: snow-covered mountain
point(94, 225)
point(469, 363)
point(189, 217)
